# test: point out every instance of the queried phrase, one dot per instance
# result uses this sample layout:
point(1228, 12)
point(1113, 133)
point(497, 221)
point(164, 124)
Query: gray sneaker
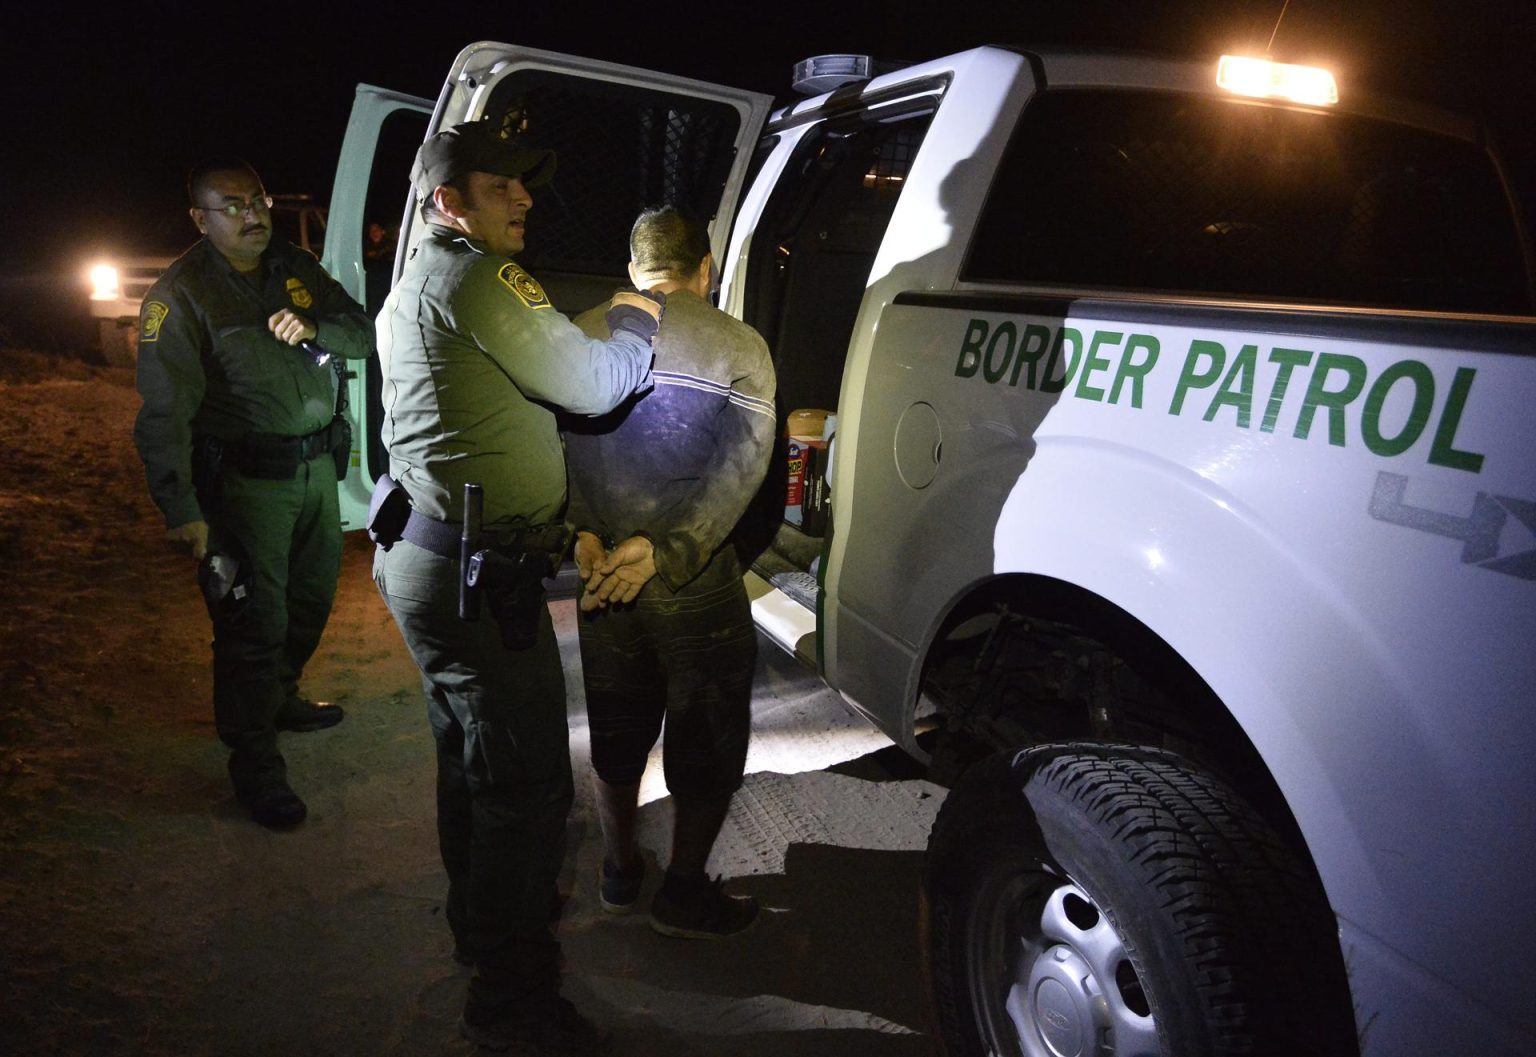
point(619, 892)
point(700, 910)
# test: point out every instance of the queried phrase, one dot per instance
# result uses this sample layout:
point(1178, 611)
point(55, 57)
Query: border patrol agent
point(474, 359)
point(242, 447)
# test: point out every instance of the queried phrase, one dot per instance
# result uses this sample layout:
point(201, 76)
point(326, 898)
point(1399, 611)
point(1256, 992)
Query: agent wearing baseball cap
point(475, 362)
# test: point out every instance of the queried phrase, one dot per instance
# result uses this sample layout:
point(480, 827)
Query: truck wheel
point(1089, 899)
point(119, 342)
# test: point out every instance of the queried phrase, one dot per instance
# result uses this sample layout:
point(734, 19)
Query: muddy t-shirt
point(680, 464)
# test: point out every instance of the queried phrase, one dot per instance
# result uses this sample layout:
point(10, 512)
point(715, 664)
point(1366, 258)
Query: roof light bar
point(1276, 80)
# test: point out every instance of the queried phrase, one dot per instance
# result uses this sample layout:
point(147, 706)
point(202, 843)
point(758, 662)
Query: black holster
point(512, 583)
point(208, 473)
point(388, 511)
point(341, 445)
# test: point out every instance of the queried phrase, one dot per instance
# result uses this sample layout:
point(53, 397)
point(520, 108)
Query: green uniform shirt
point(474, 358)
point(208, 365)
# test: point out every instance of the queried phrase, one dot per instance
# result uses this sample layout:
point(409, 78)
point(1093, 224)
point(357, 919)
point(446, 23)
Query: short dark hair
point(667, 242)
point(459, 183)
point(202, 172)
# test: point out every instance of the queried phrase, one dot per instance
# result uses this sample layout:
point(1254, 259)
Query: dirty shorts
point(685, 658)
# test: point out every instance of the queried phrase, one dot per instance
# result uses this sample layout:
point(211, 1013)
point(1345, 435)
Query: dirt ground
point(142, 912)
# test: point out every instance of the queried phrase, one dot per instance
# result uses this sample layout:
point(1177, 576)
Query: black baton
point(469, 546)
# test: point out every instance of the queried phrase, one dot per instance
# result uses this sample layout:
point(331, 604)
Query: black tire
point(1126, 903)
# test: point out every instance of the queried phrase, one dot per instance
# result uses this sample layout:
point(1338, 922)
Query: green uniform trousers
point(288, 533)
point(504, 784)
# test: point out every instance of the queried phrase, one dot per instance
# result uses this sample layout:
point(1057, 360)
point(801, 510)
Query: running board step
point(784, 617)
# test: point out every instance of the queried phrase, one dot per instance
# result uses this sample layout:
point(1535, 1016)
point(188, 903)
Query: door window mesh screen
point(816, 242)
point(1169, 193)
point(619, 150)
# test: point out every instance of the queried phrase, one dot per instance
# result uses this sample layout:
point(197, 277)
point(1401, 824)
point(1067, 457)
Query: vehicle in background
point(117, 285)
point(1163, 469)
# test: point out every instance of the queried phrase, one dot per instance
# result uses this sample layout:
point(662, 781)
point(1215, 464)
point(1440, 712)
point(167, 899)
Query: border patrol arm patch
point(525, 286)
point(154, 316)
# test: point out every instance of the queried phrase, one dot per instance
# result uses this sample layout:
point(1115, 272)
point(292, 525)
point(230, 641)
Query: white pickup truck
point(1184, 453)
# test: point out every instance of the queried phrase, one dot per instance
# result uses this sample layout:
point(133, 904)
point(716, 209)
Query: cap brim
point(534, 167)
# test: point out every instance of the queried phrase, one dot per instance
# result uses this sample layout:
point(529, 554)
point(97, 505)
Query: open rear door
point(626, 139)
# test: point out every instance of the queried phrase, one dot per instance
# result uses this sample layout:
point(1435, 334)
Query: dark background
point(107, 108)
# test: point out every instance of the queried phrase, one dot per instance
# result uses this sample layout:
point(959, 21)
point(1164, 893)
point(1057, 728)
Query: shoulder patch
point(154, 315)
point(525, 286)
point(298, 294)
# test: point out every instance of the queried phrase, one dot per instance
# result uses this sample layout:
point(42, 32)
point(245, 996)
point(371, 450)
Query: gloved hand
point(637, 311)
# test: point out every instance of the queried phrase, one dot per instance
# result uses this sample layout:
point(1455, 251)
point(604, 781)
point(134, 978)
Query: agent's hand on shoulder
point(637, 312)
point(651, 302)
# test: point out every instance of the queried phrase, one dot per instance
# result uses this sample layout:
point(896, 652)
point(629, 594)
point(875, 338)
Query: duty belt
point(428, 533)
point(390, 518)
point(442, 537)
point(270, 456)
point(309, 446)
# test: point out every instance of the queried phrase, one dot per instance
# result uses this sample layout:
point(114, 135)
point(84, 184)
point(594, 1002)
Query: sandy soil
point(143, 913)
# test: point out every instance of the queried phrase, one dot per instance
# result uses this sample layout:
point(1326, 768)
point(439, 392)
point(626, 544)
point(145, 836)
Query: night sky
point(107, 111)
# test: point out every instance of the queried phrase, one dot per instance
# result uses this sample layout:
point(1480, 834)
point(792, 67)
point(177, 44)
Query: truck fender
point(1178, 553)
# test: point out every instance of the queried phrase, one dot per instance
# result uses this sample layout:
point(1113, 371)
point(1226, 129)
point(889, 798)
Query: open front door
point(370, 202)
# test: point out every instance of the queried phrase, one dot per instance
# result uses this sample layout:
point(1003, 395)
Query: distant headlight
point(106, 283)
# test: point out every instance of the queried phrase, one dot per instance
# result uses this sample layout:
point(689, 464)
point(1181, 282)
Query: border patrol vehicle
point(1181, 502)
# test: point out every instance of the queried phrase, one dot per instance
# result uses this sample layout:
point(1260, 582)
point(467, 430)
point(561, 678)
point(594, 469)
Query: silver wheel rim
point(1073, 991)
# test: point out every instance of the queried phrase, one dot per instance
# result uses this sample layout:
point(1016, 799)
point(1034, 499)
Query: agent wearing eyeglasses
point(242, 448)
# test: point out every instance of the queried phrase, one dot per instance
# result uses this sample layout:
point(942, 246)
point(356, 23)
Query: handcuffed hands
point(614, 577)
point(588, 554)
point(288, 326)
